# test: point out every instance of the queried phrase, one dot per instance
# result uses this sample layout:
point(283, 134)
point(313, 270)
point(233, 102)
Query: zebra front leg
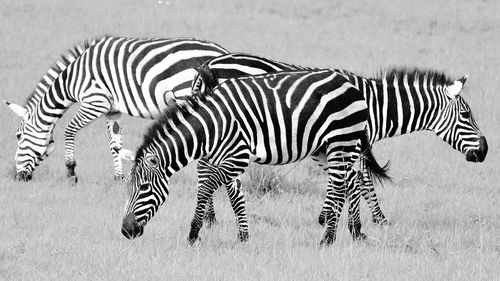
point(237, 200)
point(205, 169)
point(368, 193)
point(115, 130)
point(234, 158)
point(353, 191)
point(92, 107)
point(205, 191)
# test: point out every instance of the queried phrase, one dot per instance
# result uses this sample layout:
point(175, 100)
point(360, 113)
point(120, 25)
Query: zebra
point(400, 101)
point(269, 119)
point(107, 76)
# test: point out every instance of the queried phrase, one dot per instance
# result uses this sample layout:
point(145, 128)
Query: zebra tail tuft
point(373, 167)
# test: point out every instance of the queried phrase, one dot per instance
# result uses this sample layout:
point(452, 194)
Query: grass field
point(445, 212)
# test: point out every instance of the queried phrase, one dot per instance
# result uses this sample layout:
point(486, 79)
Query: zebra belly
point(271, 154)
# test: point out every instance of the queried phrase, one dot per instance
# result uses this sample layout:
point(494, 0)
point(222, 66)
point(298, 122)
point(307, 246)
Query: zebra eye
point(152, 161)
point(18, 135)
point(144, 187)
point(465, 114)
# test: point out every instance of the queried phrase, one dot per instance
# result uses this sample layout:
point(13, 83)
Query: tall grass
point(444, 212)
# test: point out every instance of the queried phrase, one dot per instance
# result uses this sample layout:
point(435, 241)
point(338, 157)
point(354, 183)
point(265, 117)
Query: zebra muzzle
point(23, 176)
point(478, 155)
point(130, 228)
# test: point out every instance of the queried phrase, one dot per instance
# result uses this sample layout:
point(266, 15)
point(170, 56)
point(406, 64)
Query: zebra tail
point(373, 167)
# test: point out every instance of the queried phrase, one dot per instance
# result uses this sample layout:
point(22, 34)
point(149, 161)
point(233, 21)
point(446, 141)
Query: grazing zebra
point(270, 119)
point(108, 76)
point(400, 101)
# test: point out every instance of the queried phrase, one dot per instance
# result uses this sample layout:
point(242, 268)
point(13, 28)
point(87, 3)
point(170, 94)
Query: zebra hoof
point(243, 236)
point(193, 236)
point(326, 241)
point(322, 218)
point(210, 221)
point(191, 241)
point(73, 180)
point(380, 221)
point(321, 221)
point(360, 237)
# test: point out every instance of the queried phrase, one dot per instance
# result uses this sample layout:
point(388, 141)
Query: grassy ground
point(444, 211)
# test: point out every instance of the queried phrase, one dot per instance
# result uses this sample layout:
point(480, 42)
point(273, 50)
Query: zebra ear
point(454, 89)
point(18, 110)
point(126, 154)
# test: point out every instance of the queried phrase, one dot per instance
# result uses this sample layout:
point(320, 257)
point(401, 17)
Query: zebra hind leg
point(334, 209)
point(340, 160)
point(353, 191)
point(115, 130)
point(368, 193)
point(210, 213)
point(237, 200)
point(320, 159)
point(326, 210)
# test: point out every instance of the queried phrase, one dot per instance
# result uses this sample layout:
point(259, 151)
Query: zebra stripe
point(400, 101)
point(108, 76)
point(268, 119)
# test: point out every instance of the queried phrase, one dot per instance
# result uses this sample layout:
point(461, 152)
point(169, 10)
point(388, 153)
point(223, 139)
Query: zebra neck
point(184, 138)
point(51, 105)
point(397, 107)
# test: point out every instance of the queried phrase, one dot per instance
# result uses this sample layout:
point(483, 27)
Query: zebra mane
point(398, 72)
point(170, 115)
point(54, 71)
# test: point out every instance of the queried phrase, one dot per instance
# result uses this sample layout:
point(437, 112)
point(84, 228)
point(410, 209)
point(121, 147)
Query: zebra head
point(147, 186)
point(457, 125)
point(33, 144)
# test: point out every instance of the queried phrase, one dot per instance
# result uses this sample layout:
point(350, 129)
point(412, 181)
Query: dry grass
point(444, 211)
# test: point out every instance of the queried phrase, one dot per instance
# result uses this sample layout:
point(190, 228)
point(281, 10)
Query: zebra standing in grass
point(400, 101)
point(109, 76)
point(269, 119)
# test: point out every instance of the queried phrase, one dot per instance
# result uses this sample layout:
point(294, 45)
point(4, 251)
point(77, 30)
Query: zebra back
point(233, 65)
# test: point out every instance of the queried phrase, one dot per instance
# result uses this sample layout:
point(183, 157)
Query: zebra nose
point(130, 228)
point(479, 154)
point(483, 149)
point(23, 176)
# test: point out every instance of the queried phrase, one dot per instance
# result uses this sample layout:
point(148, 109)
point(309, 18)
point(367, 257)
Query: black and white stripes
point(400, 101)
point(268, 119)
point(109, 76)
